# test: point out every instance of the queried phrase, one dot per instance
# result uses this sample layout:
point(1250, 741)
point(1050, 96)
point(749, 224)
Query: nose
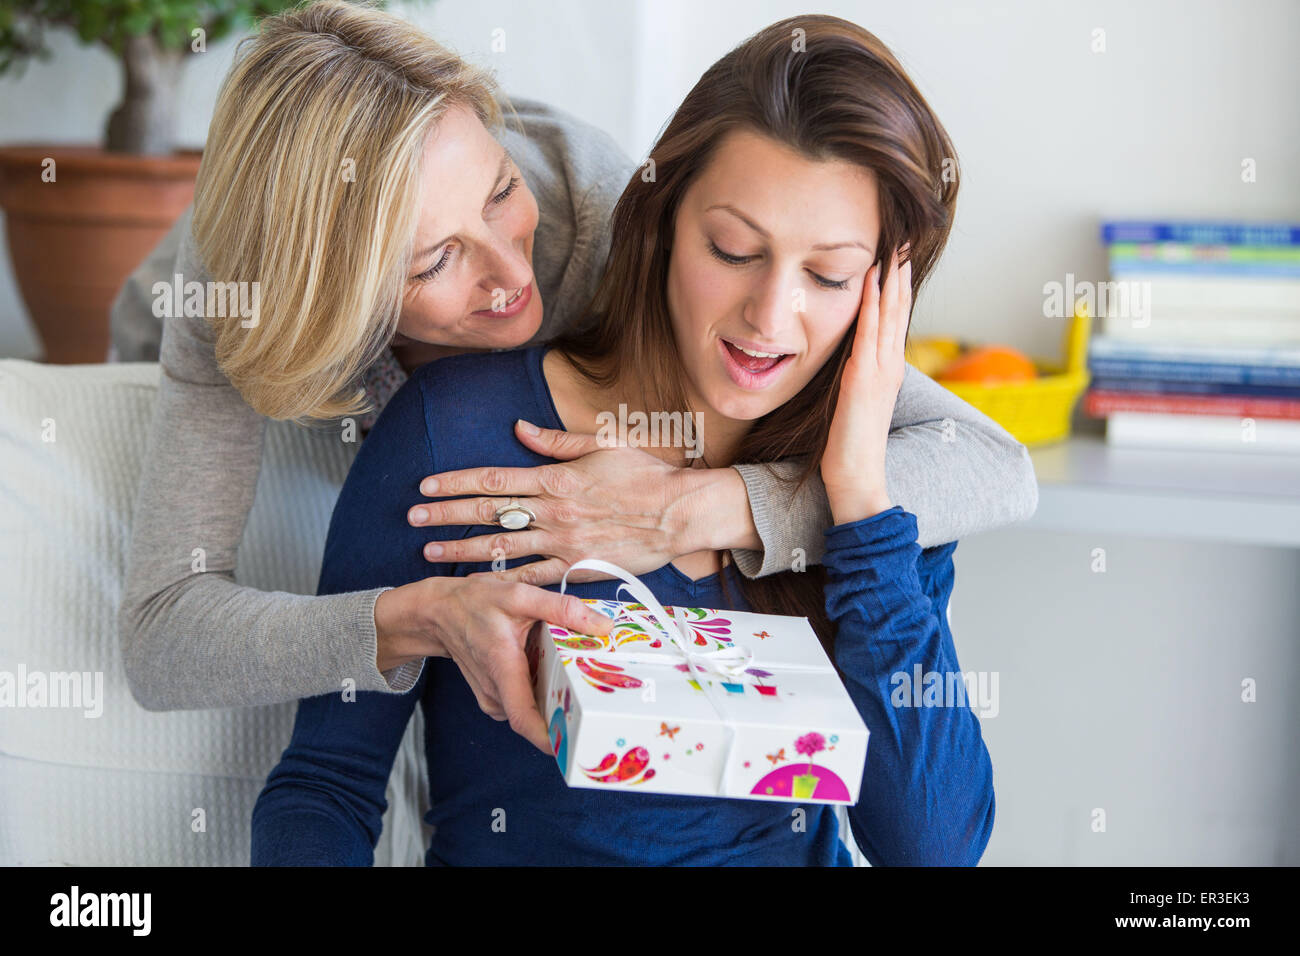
point(506, 265)
point(770, 309)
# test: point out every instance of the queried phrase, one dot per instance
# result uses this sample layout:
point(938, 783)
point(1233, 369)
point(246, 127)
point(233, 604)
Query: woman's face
point(471, 282)
point(769, 254)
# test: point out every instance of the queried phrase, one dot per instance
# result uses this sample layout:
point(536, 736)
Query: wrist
point(709, 511)
point(403, 630)
point(856, 504)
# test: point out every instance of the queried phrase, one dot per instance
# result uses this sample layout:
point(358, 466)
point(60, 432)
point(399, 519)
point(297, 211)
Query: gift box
point(698, 702)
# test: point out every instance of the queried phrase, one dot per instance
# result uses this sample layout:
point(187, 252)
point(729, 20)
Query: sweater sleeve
point(927, 788)
point(957, 470)
point(197, 639)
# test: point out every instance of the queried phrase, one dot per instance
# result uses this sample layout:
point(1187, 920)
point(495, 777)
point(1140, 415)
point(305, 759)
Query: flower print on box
point(803, 781)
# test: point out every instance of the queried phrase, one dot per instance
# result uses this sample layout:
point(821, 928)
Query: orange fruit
point(930, 354)
point(990, 364)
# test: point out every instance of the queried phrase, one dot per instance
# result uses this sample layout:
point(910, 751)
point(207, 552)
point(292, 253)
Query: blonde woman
point(363, 177)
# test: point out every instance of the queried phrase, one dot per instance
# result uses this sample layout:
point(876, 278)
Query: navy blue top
point(927, 790)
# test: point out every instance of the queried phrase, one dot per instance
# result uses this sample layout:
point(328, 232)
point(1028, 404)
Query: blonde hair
point(309, 186)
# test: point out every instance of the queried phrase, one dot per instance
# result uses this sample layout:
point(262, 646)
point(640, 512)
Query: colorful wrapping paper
point(697, 701)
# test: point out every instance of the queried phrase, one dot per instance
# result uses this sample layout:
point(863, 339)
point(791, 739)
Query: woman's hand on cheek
point(853, 465)
point(617, 503)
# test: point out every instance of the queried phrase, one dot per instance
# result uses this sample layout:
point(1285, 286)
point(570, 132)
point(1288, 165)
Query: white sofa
point(126, 787)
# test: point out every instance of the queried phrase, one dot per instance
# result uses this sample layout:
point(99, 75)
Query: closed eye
point(437, 267)
point(829, 283)
point(443, 261)
point(728, 258)
point(505, 193)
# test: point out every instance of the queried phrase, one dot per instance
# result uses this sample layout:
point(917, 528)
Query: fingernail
point(528, 428)
point(433, 551)
point(419, 514)
point(429, 487)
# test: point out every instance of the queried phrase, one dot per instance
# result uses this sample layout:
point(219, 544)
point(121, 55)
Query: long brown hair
point(830, 90)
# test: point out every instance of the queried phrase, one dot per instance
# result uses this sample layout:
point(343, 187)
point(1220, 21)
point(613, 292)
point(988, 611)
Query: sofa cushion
point(106, 782)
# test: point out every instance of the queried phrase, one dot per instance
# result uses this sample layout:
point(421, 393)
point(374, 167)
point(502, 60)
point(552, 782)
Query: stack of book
point(1200, 337)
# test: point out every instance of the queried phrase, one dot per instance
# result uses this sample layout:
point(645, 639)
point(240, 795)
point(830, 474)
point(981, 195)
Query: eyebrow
point(821, 246)
point(506, 160)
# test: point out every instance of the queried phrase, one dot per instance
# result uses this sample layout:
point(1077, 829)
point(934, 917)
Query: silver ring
point(513, 516)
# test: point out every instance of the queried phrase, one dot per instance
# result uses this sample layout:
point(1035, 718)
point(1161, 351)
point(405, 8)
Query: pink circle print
point(794, 781)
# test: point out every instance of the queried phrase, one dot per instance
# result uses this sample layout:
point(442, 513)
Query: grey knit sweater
point(197, 640)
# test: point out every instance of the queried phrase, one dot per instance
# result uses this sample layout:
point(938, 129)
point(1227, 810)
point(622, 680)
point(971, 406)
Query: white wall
point(1122, 691)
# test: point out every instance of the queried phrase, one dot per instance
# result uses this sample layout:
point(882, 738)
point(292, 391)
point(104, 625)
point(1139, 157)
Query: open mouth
point(752, 368)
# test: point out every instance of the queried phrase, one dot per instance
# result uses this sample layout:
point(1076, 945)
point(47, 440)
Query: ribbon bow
point(729, 663)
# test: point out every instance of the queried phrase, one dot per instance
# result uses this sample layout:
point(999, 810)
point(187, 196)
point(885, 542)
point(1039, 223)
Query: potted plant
point(79, 219)
point(805, 784)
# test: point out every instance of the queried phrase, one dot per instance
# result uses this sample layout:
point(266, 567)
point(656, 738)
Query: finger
point(564, 610)
point(888, 305)
point(889, 291)
point(541, 573)
point(488, 547)
point(536, 573)
point(903, 314)
point(487, 702)
point(894, 319)
point(485, 481)
point(515, 687)
point(864, 343)
point(467, 511)
point(555, 443)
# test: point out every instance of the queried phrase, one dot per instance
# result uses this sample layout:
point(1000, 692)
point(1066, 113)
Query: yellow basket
point(1037, 412)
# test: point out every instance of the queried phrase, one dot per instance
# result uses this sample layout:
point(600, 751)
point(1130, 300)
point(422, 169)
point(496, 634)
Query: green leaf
point(93, 25)
point(137, 23)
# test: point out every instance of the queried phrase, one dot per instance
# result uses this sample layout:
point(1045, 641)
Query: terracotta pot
point(74, 241)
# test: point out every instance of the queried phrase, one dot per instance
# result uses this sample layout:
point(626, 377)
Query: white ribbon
point(728, 663)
